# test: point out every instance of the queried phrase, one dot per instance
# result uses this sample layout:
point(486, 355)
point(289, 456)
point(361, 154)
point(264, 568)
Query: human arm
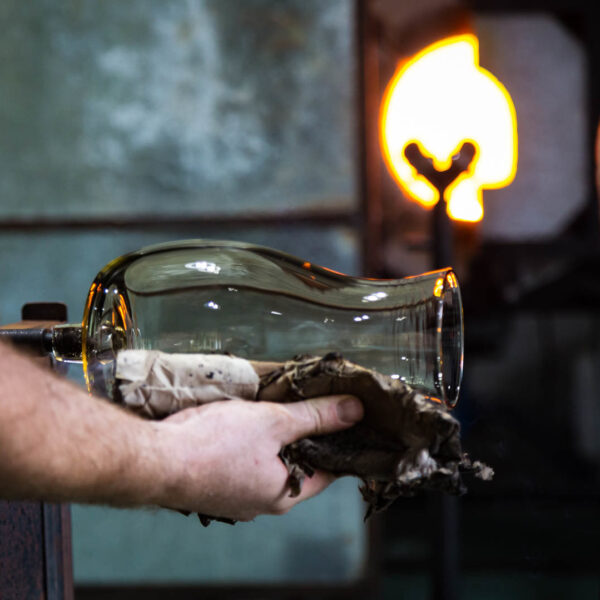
point(58, 443)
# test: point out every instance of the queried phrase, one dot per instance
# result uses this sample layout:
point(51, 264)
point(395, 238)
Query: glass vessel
point(261, 304)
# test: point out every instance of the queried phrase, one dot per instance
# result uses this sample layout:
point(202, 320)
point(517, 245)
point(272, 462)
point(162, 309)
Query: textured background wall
point(206, 106)
point(183, 110)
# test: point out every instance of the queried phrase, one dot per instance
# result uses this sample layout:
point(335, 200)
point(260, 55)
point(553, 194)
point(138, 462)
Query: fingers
point(320, 415)
point(311, 486)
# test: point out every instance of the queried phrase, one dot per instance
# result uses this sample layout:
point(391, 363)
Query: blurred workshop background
point(124, 124)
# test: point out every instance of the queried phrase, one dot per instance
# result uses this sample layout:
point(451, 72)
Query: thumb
point(321, 415)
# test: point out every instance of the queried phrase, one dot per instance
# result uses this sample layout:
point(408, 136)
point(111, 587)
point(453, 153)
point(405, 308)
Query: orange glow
point(122, 310)
point(86, 315)
point(440, 99)
point(440, 283)
point(451, 280)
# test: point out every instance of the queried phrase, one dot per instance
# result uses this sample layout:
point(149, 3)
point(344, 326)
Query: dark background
point(128, 124)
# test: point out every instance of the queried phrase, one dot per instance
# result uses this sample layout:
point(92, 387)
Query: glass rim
point(449, 285)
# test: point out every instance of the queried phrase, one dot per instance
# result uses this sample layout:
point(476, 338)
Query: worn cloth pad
point(157, 384)
point(406, 442)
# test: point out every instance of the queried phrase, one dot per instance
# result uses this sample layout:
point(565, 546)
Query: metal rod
point(444, 508)
point(443, 236)
point(37, 341)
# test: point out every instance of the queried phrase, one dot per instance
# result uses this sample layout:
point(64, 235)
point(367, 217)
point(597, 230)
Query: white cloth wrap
point(156, 384)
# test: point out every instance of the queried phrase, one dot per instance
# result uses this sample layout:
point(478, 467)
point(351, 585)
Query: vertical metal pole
point(57, 551)
point(442, 232)
point(444, 509)
point(373, 71)
point(368, 157)
point(445, 520)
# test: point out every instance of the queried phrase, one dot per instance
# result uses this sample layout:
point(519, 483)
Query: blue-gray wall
point(180, 110)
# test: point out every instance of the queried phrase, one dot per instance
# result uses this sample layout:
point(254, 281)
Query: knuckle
point(279, 416)
point(315, 416)
point(280, 510)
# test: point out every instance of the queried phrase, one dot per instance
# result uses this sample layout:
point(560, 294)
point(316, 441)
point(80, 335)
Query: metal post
point(35, 537)
point(444, 510)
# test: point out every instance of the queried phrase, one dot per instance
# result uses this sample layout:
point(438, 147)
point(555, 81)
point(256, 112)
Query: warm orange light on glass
point(440, 99)
point(86, 312)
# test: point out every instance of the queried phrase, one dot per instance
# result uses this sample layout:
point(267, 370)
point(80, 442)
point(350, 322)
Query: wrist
point(167, 472)
point(136, 475)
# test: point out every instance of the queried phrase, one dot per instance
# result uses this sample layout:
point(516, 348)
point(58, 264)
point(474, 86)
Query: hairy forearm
point(59, 443)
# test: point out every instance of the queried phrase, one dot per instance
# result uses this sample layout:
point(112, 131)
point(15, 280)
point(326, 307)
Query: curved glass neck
point(261, 304)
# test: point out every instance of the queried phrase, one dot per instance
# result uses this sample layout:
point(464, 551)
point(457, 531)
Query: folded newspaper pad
point(406, 443)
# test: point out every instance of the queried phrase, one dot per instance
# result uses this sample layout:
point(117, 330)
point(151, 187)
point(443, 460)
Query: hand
point(221, 459)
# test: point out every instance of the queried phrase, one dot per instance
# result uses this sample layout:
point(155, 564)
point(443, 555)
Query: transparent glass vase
point(258, 303)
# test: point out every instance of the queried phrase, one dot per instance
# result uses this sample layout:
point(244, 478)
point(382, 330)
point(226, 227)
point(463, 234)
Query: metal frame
point(167, 222)
point(35, 551)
